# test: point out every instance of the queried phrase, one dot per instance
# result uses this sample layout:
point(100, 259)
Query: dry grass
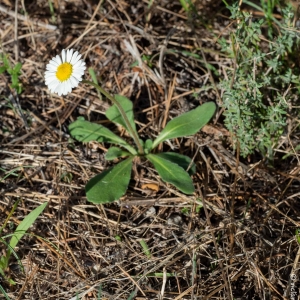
point(240, 245)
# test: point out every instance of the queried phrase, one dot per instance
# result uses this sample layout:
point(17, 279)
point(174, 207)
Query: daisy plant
point(64, 73)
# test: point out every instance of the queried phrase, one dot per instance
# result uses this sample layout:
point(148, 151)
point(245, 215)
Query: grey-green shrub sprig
point(263, 81)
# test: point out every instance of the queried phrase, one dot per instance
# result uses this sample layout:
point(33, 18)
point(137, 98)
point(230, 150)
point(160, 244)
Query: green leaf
point(185, 5)
point(5, 258)
point(187, 124)
point(145, 248)
point(5, 61)
point(85, 131)
point(111, 184)
point(2, 69)
point(24, 225)
point(15, 80)
point(115, 116)
point(115, 152)
point(4, 293)
point(17, 68)
point(10, 281)
point(198, 208)
point(19, 88)
point(118, 238)
point(134, 64)
point(179, 159)
point(148, 146)
point(142, 142)
point(172, 173)
point(3, 264)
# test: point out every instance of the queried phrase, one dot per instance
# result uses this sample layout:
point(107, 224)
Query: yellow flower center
point(64, 71)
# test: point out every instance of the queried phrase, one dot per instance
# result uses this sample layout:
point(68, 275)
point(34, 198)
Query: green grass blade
point(24, 225)
point(10, 214)
point(4, 293)
point(145, 248)
point(132, 295)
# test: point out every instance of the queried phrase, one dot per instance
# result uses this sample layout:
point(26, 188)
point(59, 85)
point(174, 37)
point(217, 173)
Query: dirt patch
point(234, 239)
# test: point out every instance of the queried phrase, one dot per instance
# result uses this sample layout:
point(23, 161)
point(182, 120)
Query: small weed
point(118, 238)
point(13, 71)
point(12, 172)
point(145, 248)
point(186, 210)
point(53, 18)
point(66, 177)
point(298, 235)
point(170, 166)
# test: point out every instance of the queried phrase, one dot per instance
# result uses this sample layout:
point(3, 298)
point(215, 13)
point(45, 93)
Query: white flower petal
point(77, 75)
point(81, 68)
point(69, 55)
point(50, 82)
point(64, 88)
point(54, 63)
point(75, 58)
point(53, 85)
point(51, 68)
point(57, 60)
point(71, 84)
point(59, 89)
point(63, 55)
point(49, 74)
point(78, 64)
point(74, 81)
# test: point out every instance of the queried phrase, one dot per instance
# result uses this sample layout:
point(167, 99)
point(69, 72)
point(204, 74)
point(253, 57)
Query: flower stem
point(122, 112)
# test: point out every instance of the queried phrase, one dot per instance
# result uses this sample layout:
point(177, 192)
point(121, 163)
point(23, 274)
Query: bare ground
point(240, 245)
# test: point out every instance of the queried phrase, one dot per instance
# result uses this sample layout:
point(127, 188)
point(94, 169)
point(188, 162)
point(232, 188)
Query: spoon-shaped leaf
point(183, 161)
point(172, 173)
point(111, 184)
point(187, 124)
point(85, 131)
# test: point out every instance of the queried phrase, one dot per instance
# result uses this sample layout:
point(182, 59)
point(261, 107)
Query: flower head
point(64, 72)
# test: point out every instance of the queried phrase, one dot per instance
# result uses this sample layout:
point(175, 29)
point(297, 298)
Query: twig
point(16, 44)
point(227, 286)
point(26, 19)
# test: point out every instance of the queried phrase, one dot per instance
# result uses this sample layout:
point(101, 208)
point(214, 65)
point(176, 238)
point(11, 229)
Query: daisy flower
point(64, 72)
